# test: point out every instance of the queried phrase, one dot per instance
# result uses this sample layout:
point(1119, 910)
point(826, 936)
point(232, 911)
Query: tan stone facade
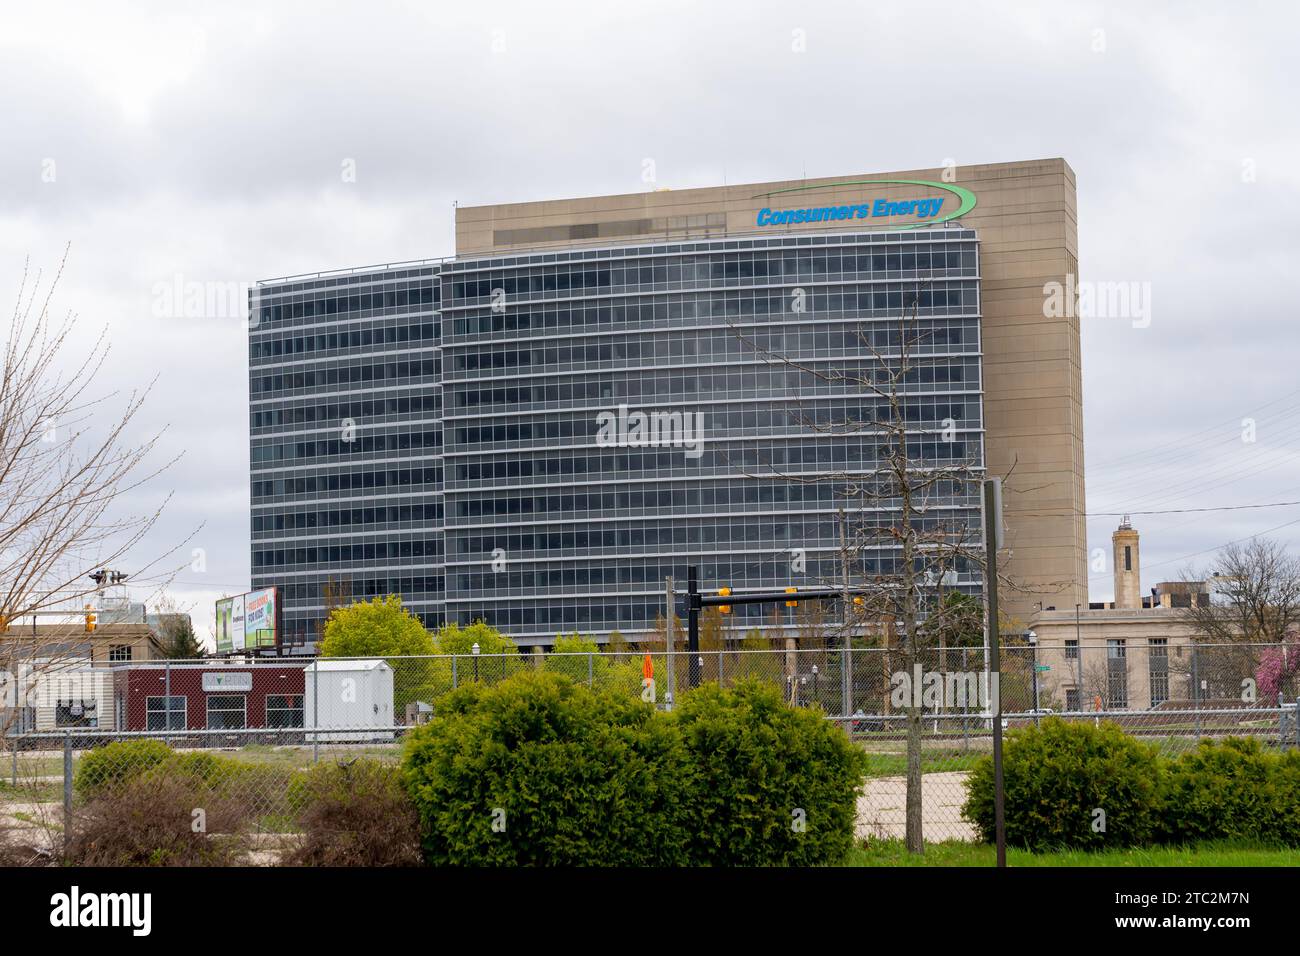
point(1026, 221)
point(1095, 668)
point(107, 644)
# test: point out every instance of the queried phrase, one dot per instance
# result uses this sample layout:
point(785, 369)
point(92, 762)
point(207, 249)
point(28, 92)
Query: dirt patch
point(882, 808)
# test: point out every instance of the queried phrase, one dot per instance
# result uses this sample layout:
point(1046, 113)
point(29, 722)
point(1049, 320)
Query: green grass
point(956, 853)
point(300, 757)
point(29, 792)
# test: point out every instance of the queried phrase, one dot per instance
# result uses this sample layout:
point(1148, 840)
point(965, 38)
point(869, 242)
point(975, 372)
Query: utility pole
point(693, 626)
point(992, 539)
point(670, 612)
point(846, 662)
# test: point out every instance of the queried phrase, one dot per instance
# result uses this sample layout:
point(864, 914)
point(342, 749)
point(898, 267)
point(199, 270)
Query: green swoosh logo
point(967, 197)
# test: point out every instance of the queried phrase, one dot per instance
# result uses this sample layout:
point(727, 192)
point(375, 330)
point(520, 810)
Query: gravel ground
point(881, 808)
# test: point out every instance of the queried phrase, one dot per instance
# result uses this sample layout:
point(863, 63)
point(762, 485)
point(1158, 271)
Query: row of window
point(358, 337)
point(324, 305)
point(350, 442)
point(753, 380)
point(717, 345)
point(633, 574)
point(370, 518)
point(381, 551)
point(427, 478)
point(354, 373)
point(702, 496)
point(224, 712)
point(337, 413)
point(700, 308)
point(851, 454)
point(754, 266)
point(426, 587)
point(775, 532)
point(736, 421)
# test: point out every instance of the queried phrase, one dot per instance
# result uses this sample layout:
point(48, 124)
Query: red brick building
point(208, 696)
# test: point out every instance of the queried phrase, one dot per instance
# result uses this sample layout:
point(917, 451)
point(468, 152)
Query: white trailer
point(348, 694)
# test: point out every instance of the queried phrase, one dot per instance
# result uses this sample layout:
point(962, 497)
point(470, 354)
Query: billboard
point(246, 621)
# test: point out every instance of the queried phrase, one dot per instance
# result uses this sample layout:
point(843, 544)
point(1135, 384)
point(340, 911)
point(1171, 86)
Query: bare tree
point(913, 512)
point(1254, 595)
point(67, 474)
point(1254, 600)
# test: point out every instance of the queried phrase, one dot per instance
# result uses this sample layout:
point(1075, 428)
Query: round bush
point(107, 768)
point(1058, 776)
point(539, 771)
point(1233, 790)
point(775, 785)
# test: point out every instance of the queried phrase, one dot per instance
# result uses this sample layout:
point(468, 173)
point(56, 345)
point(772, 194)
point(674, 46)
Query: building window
point(1116, 675)
point(1072, 699)
point(1128, 557)
point(1158, 668)
point(164, 713)
point(284, 710)
point(119, 652)
point(227, 712)
point(1071, 650)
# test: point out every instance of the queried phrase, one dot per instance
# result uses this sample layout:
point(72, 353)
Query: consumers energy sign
point(914, 213)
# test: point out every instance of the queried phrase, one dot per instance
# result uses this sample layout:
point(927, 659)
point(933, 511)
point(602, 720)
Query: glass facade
point(562, 517)
point(595, 420)
point(345, 442)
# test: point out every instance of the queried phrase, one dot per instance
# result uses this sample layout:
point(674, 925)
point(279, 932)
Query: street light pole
point(992, 538)
point(1033, 643)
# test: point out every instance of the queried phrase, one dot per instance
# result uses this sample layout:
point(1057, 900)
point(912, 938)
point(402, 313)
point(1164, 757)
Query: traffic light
point(859, 601)
point(724, 592)
point(90, 620)
point(791, 603)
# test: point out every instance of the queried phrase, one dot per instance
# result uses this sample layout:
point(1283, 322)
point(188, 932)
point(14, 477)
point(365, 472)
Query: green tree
point(454, 639)
point(381, 627)
point(176, 635)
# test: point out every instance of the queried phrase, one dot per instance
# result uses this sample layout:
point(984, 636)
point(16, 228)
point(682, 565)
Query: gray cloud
point(196, 143)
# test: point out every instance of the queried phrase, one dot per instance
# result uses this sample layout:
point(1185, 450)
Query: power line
point(1167, 511)
point(1195, 554)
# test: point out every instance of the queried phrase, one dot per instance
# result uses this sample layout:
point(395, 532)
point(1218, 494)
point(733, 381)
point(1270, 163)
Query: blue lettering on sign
point(881, 208)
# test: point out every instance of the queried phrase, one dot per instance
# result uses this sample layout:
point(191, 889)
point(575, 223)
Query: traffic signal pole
point(694, 602)
point(992, 539)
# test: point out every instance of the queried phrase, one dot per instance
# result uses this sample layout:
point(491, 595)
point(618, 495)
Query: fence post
point(315, 693)
point(67, 791)
point(719, 668)
point(965, 725)
point(590, 669)
point(15, 767)
point(846, 688)
point(1196, 692)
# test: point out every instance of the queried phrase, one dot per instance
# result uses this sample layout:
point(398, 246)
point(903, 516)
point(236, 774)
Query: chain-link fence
point(237, 741)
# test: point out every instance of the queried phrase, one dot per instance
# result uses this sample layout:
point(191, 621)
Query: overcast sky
point(184, 142)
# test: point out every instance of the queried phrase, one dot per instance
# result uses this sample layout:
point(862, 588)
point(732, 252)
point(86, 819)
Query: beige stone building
point(1024, 215)
point(1132, 653)
point(63, 673)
